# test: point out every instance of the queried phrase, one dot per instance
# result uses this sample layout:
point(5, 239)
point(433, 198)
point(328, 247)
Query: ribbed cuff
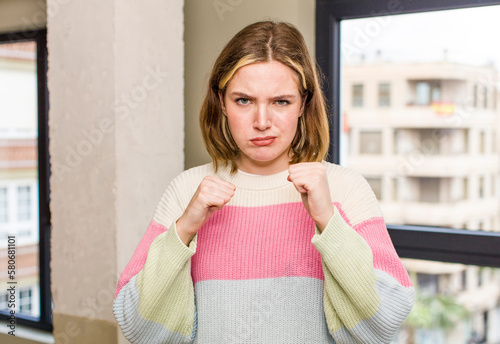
point(332, 237)
point(175, 250)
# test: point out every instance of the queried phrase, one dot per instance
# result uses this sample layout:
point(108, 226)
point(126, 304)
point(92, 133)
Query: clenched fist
point(309, 178)
point(212, 194)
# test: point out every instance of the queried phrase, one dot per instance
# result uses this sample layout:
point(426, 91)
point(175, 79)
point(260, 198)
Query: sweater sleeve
point(367, 291)
point(154, 300)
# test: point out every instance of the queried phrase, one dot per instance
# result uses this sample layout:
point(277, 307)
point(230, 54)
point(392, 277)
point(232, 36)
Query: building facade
point(425, 136)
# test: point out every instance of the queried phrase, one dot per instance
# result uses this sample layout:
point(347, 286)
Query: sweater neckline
point(248, 181)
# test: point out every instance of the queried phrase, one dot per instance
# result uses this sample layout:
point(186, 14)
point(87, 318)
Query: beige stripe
point(347, 187)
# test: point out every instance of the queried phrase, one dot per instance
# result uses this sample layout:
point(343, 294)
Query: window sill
point(24, 335)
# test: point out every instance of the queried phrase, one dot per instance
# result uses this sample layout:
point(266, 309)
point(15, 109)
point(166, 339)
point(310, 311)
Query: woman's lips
point(263, 141)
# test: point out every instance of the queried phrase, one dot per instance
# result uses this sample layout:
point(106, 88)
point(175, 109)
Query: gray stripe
point(396, 302)
point(284, 310)
point(135, 328)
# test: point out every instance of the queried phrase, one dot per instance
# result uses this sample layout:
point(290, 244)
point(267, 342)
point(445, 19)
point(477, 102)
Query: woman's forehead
point(265, 78)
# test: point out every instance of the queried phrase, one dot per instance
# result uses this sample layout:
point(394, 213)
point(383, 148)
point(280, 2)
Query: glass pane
point(420, 117)
point(19, 222)
point(427, 143)
point(454, 304)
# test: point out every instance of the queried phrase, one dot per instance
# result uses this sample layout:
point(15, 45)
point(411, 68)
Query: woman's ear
point(222, 105)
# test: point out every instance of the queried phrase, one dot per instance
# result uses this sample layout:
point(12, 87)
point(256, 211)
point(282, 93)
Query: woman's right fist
point(212, 194)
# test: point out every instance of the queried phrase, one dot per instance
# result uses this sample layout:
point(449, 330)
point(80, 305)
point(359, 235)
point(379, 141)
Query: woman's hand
point(309, 178)
point(212, 194)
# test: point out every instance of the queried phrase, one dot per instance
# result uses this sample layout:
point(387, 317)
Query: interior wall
point(22, 15)
point(116, 130)
point(208, 27)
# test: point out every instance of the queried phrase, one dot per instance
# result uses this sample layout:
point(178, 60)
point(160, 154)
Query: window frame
point(418, 242)
point(45, 320)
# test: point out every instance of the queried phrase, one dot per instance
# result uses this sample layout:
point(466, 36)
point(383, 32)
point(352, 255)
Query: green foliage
point(435, 311)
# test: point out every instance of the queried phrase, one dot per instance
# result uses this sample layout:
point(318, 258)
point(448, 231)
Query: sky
point(470, 36)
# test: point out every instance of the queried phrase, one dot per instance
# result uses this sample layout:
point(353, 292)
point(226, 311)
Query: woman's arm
point(154, 301)
point(368, 293)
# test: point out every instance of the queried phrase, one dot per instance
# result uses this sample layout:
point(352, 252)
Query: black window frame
point(45, 320)
point(418, 242)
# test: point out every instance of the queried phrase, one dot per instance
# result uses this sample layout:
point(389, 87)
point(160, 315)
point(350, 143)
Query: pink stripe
point(256, 242)
point(385, 257)
point(141, 253)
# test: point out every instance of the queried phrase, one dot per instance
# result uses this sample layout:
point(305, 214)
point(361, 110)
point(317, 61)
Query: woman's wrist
point(322, 223)
point(183, 234)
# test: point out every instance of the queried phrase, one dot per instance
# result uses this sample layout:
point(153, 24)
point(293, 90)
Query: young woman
point(268, 243)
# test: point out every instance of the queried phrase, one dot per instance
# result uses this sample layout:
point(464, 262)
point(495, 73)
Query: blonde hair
point(262, 42)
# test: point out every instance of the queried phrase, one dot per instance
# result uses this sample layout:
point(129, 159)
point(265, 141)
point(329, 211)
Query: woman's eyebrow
point(241, 94)
point(278, 97)
point(284, 96)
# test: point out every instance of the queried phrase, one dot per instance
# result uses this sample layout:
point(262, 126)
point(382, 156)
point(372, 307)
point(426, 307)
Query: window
point(370, 142)
point(485, 97)
point(475, 95)
point(25, 300)
point(357, 95)
point(4, 205)
point(429, 190)
point(437, 233)
point(24, 174)
point(428, 283)
point(23, 203)
point(376, 185)
point(427, 92)
point(423, 93)
point(384, 95)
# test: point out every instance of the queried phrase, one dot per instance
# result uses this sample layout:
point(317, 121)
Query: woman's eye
point(282, 102)
point(243, 101)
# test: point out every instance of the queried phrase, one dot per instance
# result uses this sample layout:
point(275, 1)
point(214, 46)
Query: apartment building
point(19, 175)
point(426, 137)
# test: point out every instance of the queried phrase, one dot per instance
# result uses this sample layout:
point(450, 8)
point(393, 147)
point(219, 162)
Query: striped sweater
point(260, 271)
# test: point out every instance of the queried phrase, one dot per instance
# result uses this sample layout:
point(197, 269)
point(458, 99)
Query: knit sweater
point(260, 271)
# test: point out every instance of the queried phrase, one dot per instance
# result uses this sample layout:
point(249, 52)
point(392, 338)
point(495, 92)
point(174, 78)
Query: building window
point(376, 185)
point(423, 93)
point(466, 188)
point(395, 194)
point(427, 93)
point(481, 187)
point(475, 95)
point(482, 142)
point(25, 301)
point(384, 95)
point(24, 203)
point(370, 142)
point(429, 190)
point(357, 95)
point(485, 97)
point(428, 283)
point(4, 205)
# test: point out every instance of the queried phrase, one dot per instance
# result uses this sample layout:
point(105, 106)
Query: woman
point(268, 243)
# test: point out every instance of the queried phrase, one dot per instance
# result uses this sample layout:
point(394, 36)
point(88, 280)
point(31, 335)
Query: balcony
point(442, 214)
point(437, 115)
point(419, 164)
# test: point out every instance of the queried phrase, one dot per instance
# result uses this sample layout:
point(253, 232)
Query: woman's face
point(263, 105)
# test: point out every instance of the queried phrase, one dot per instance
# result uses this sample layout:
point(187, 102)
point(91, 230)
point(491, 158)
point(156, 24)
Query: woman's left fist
point(309, 178)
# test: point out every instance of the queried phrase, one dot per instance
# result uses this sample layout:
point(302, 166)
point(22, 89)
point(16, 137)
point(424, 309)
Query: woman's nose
point(262, 118)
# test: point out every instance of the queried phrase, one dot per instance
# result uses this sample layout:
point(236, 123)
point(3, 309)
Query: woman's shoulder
point(345, 174)
point(193, 176)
